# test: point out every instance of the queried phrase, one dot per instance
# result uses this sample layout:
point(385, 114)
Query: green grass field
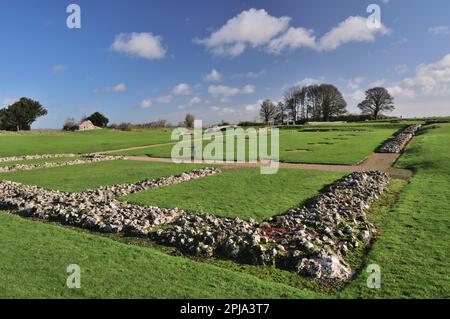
point(240, 192)
point(35, 257)
point(56, 142)
point(413, 250)
point(321, 144)
point(87, 176)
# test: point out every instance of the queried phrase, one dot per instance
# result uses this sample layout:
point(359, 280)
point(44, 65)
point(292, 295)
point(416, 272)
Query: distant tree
point(332, 102)
point(313, 101)
point(292, 99)
point(70, 125)
point(21, 114)
point(377, 101)
point(189, 120)
point(98, 119)
point(281, 113)
point(268, 111)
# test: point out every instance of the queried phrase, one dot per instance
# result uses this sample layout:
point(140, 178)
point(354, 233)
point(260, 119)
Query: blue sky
point(140, 61)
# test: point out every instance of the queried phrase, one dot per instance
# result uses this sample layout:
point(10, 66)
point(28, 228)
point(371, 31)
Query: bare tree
point(292, 99)
point(189, 120)
point(377, 101)
point(268, 111)
point(281, 113)
point(332, 102)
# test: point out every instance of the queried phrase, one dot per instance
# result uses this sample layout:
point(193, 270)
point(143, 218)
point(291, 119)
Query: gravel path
point(377, 161)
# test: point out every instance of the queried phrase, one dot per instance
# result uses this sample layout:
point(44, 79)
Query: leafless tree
point(268, 111)
point(377, 101)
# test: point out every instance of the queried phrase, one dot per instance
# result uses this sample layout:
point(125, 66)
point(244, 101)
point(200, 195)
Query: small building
point(87, 126)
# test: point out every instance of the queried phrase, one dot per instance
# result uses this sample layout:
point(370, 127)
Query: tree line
point(322, 103)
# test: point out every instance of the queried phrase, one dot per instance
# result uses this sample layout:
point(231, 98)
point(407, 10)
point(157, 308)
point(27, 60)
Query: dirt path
point(377, 161)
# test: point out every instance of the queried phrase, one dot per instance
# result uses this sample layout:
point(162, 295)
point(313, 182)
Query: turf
point(245, 193)
point(86, 176)
point(54, 142)
point(322, 144)
point(413, 250)
point(34, 263)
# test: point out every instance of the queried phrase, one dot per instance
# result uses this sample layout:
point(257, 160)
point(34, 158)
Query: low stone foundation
point(398, 143)
point(88, 158)
point(311, 239)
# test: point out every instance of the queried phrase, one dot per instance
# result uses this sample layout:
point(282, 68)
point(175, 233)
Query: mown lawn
point(413, 250)
point(54, 142)
point(345, 144)
point(86, 176)
point(35, 257)
point(245, 193)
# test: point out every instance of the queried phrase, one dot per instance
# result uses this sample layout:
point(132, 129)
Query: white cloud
point(226, 91)
point(223, 110)
point(355, 82)
point(121, 87)
point(249, 28)
point(254, 75)
point(431, 79)
point(250, 74)
point(59, 68)
point(293, 38)
point(223, 91)
point(248, 89)
point(256, 28)
point(144, 45)
point(377, 83)
point(165, 98)
point(353, 29)
point(195, 100)
point(182, 89)
point(401, 68)
point(213, 76)
point(307, 82)
point(439, 30)
point(401, 92)
point(145, 104)
point(253, 108)
point(358, 95)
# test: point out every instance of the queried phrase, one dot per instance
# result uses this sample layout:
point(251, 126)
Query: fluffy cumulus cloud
point(352, 29)
point(248, 89)
point(182, 89)
point(249, 28)
point(223, 91)
point(213, 76)
point(354, 83)
point(358, 95)
point(258, 29)
point(195, 100)
point(429, 80)
point(293, 38)
point(145, 104)
point(144, 45)
point(165, 99)
point(121, 87)
point(226, 92)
